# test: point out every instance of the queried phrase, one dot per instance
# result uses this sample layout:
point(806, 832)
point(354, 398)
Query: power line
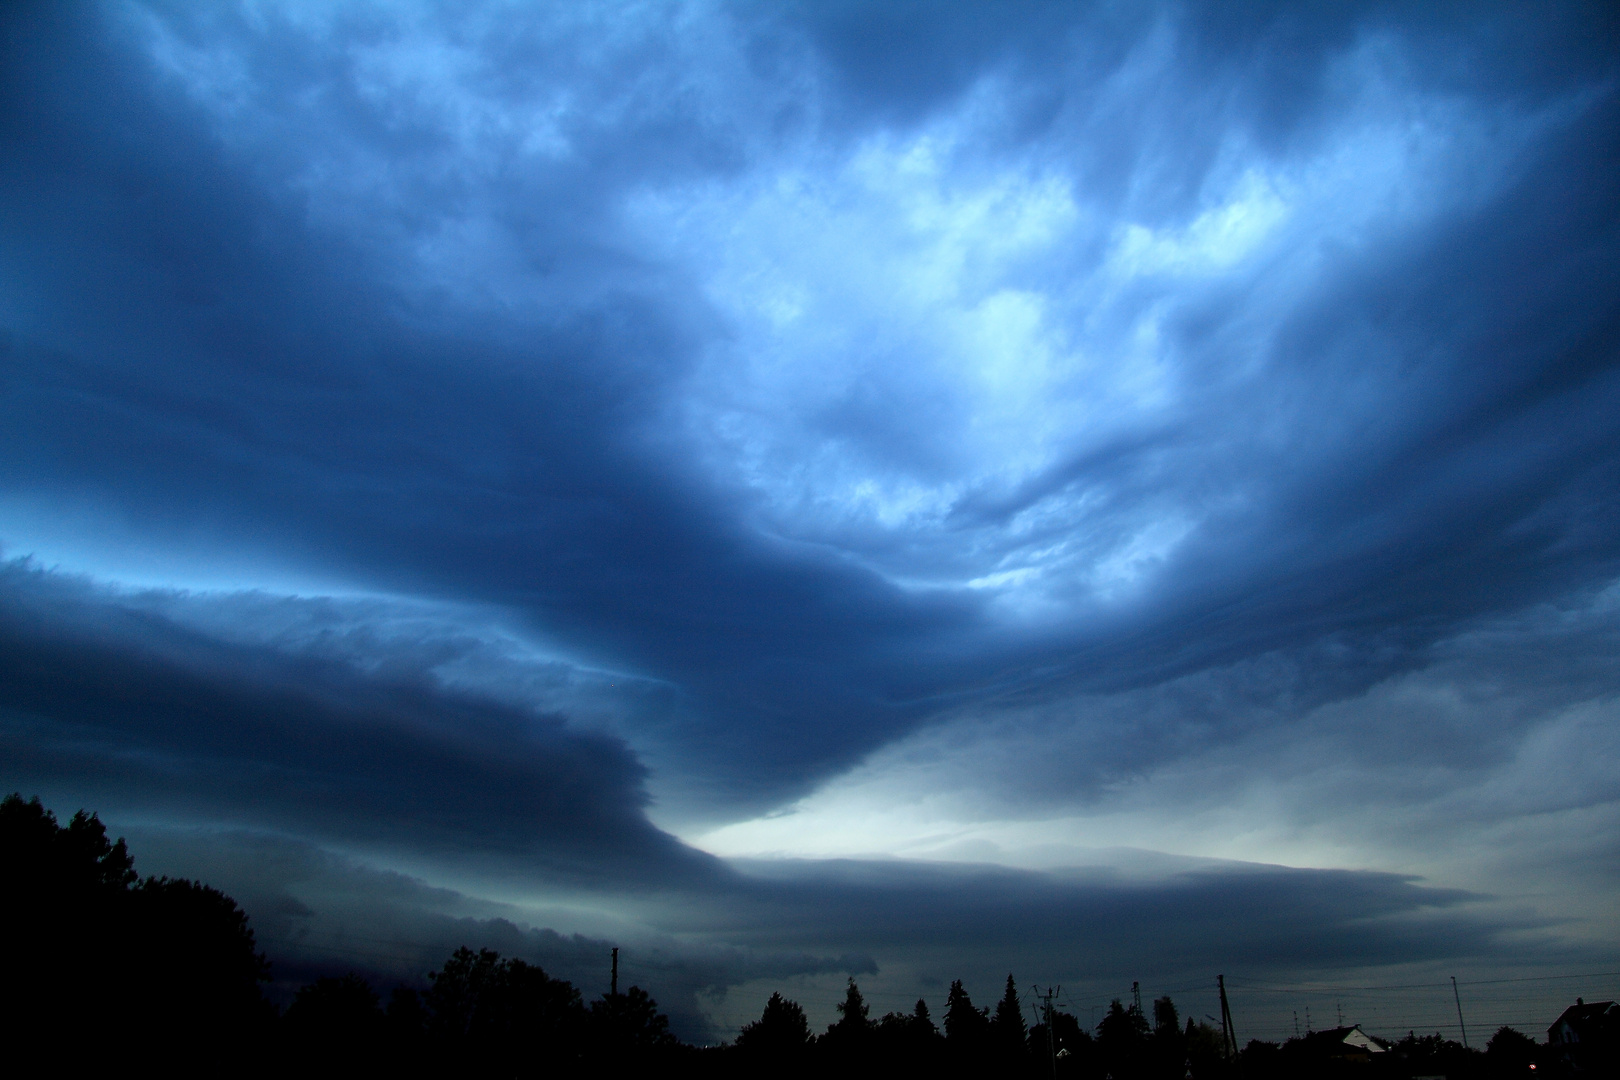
point(1330, 989)
point(1541, 978)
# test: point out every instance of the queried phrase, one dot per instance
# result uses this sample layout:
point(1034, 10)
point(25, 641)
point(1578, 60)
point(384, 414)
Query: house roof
point(1354, 1036)
point(1584, 1016)
point(1345, 1038)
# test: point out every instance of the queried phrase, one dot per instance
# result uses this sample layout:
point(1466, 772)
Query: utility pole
point(1296, 1023)
point(1228, 1029)
point(1458, 999)
point(1338, 1008)
point(1046, 1012)
point(615, 991)
point(1136, 997)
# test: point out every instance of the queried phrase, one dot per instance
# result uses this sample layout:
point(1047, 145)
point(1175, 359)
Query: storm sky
point(1112, 492)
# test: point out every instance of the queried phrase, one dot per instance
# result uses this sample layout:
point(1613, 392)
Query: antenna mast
point(1228, 1029)
point(1458, 999)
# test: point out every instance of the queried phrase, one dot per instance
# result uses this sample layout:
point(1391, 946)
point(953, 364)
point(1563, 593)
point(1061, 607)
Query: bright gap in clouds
point(1485, 768)
point(926, 345)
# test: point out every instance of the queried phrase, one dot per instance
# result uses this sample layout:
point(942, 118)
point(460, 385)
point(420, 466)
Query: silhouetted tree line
point(976, 1041)
point(103, 969)
point(1508, 1053)
point(481, 1015)
point(1125, 1045)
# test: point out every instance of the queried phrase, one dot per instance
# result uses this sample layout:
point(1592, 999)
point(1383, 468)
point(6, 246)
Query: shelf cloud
point(828, 488)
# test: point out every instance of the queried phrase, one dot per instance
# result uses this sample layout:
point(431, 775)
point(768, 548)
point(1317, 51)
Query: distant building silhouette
point(1344, 1044)
point(1586, 1037)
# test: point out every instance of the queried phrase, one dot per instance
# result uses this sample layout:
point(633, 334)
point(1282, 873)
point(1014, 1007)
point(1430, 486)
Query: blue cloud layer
point(485, 428)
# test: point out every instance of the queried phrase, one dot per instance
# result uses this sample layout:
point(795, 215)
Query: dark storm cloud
point(151, 718)
point(1266, 918)
point(125, 701)
point(231, 380)
point(1466, 705)
point(245, 319)
point(319, 913)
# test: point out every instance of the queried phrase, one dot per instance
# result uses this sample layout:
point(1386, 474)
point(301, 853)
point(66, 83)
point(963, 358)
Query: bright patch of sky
point(1001, 322)
point(914, 324)
point(1214, 240)
point(1499, 832)
point(1443, 772)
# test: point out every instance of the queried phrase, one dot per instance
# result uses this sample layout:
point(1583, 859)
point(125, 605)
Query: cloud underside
point(295, 780)
point(901, 929)
point(163, 720)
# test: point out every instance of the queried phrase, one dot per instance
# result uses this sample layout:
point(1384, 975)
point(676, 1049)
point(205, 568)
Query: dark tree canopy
point(781, 1033)
point(850, 1036)
point(338, 1022)
point(1122, 1039)
point(1066, 1043)
point(1510, 1053)
point(629, 1024)
point(501, 1013)
point(964, 1024)
point(74, 863)
point(1166, 1021)
point(166, 970)
point(853, 1014)
point(922, 1024)
point(1007, 1028)
point(336, 1003)
point(197, 951)
point(155, 966)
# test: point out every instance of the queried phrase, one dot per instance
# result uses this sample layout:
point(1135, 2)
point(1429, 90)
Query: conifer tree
point(853, 1014)
point(922, 1023)
point(964, 1025)
point(1007, 1027)
point(781, 1031)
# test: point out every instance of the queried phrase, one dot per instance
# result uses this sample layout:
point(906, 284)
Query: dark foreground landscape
point(105, 970)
